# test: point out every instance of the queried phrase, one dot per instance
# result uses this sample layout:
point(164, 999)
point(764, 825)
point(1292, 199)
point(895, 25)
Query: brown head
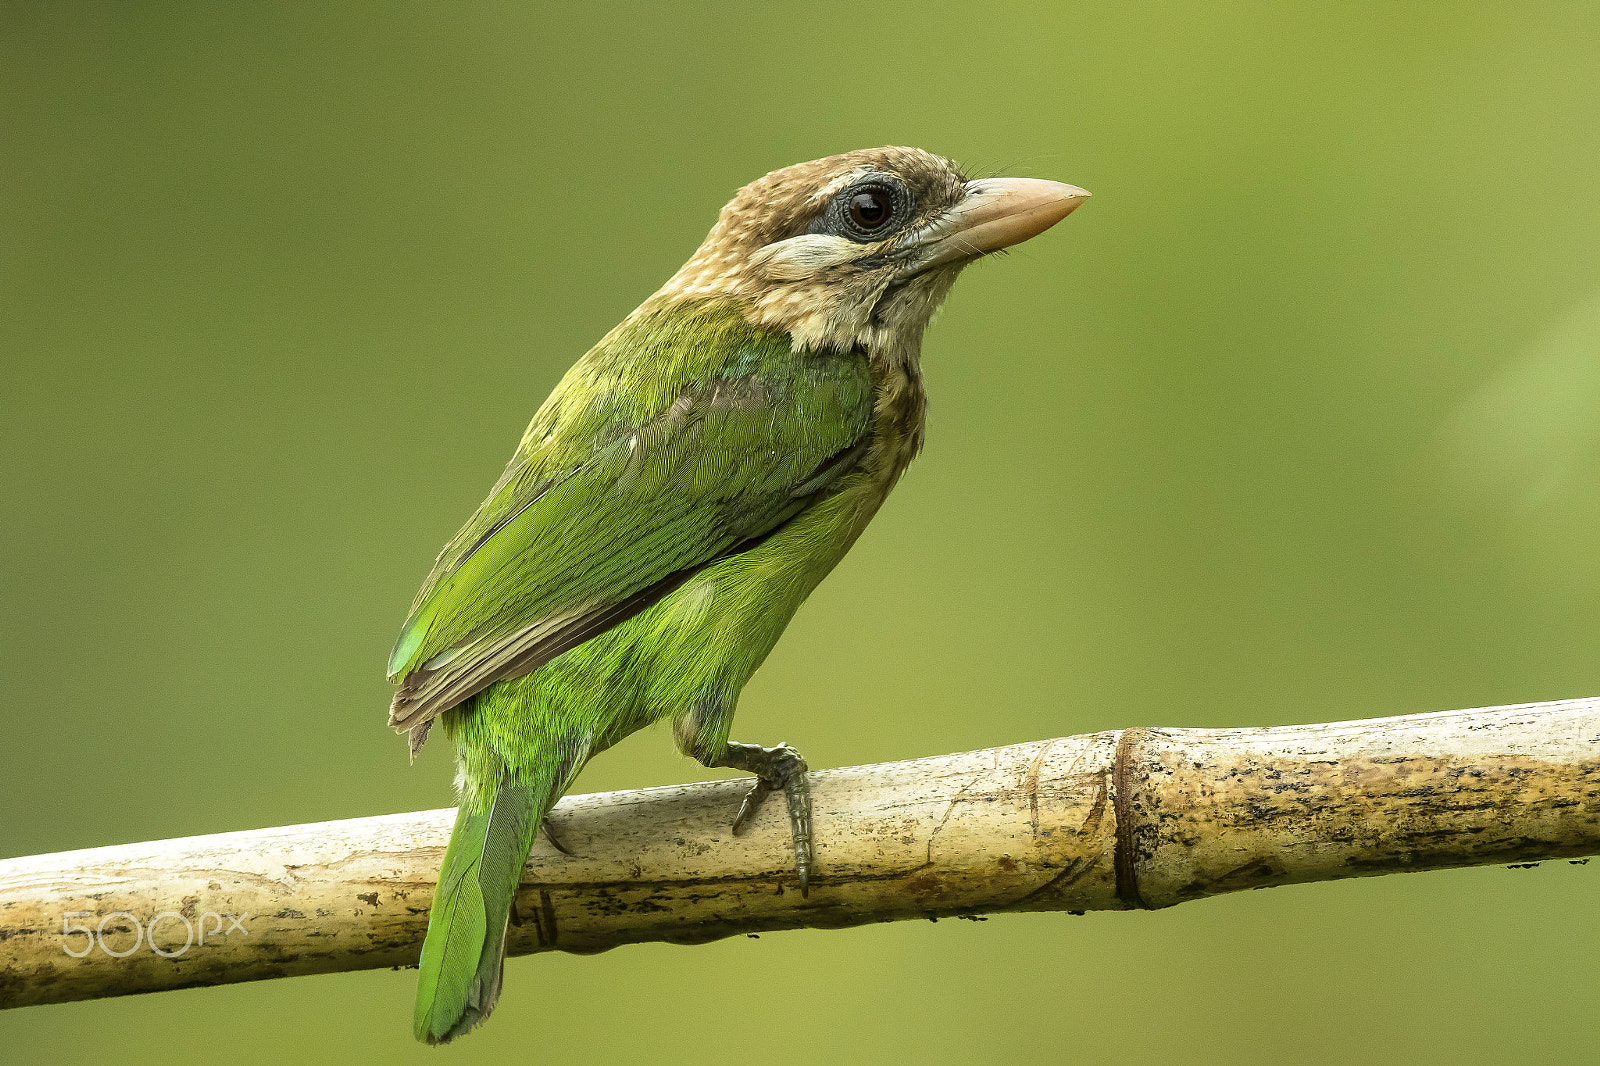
point(860, 248)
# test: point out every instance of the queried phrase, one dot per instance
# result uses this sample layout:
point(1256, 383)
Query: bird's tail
point(464, 953)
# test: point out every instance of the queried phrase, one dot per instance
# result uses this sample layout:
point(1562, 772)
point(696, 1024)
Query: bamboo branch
point(1108, 821)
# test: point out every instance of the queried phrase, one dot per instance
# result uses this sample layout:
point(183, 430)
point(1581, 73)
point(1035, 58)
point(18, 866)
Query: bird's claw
point(752, 803)
point(555, 841)
point(776, 768)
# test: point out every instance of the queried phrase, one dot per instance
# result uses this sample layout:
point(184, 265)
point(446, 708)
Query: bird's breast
point(899, 413)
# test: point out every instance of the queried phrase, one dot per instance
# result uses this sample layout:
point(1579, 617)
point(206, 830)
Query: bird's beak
point(996, 213)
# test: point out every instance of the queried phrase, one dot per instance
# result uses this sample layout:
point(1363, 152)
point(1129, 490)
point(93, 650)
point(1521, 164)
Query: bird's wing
point(602, 514)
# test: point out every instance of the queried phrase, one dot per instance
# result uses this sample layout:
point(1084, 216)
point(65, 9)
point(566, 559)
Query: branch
point(1108, 821)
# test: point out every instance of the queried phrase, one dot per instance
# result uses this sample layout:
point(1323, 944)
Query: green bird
point(684, 488)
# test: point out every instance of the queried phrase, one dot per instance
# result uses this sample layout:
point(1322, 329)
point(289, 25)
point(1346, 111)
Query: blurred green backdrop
point(1295, 421)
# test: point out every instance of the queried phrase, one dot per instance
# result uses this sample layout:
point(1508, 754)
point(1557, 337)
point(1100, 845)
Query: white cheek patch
point(804, 256)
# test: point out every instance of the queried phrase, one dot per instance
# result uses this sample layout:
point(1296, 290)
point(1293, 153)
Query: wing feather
point(603, 512)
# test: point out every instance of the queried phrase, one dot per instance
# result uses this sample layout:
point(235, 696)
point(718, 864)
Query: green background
point(1297, 420)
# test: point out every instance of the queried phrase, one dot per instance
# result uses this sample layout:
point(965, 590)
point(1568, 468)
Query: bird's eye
point(871, 208)
point(868, 211)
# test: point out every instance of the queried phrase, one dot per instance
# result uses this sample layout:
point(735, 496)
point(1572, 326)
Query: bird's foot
point(555, 841)
point(777, 768)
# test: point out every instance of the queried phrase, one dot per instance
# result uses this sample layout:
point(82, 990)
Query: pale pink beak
point(997, 213)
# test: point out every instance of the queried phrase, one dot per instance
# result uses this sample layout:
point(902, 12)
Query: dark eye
point(868, 211)
point(871, 208)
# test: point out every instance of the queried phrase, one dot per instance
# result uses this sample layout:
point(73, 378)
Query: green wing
point(637, 472)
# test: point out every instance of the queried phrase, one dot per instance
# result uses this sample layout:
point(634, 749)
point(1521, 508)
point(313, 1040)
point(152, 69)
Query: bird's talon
point(555, 841)
point(751, 804)
point(779, 767)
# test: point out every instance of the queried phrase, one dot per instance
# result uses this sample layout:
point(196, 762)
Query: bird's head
point(860, 248)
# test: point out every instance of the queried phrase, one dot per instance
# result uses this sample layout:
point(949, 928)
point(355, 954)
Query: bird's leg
point(775, 768)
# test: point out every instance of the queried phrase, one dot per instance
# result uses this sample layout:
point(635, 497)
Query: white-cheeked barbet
point(681, 492)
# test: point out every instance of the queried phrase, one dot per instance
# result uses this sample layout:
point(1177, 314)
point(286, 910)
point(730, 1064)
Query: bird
point(687, 484)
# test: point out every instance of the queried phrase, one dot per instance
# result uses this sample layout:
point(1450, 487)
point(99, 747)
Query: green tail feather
point(462, 958)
